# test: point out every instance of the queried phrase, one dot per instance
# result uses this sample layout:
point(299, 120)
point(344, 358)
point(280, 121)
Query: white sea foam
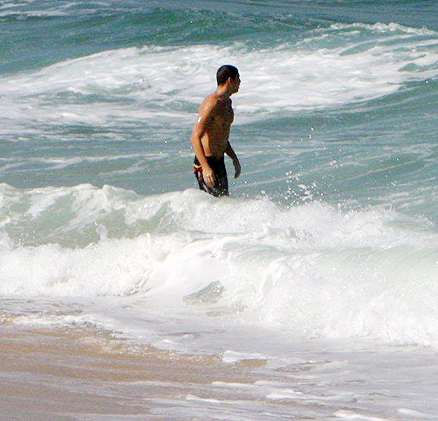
point(351, 415)
point(384, 28)
point(313, 270)
point(164, 84)
point(36, 13)
point(415, 414)
point(32, 8)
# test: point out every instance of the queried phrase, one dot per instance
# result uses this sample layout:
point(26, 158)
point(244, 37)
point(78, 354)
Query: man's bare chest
point(224, 116)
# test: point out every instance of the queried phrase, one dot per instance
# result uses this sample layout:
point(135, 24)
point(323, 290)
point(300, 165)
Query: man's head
point(228, 74)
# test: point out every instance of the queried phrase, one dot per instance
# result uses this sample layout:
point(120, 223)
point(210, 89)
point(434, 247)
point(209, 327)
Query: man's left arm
point(230, 152)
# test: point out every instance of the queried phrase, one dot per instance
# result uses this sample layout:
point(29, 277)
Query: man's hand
point(208, 176)
point(237, 167)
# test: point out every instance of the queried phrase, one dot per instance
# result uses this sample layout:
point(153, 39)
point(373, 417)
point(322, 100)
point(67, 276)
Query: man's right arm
point(205, 112)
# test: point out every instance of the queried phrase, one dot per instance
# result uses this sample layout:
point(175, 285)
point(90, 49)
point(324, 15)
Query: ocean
point(310, 293)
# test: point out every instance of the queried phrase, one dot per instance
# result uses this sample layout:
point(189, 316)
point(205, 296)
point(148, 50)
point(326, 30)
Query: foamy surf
point(311, 269)
point(332, 67)
point(308, 294)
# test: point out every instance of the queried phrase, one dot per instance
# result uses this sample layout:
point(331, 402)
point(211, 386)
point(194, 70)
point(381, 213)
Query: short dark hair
point(224, 72)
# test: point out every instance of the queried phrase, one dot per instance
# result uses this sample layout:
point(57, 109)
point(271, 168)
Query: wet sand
point(70, 374)
point(84, 373)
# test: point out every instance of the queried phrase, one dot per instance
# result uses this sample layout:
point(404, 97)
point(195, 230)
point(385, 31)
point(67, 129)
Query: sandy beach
point(70, 374)
point(83, 373)
point(310, 293)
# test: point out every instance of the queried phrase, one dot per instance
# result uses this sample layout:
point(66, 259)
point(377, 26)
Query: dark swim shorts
point(220, 187)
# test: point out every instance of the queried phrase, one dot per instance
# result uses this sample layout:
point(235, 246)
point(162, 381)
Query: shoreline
point(69, 374)
point(85, 373)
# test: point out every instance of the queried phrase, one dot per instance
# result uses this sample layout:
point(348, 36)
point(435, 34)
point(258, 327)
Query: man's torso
point(215, 138)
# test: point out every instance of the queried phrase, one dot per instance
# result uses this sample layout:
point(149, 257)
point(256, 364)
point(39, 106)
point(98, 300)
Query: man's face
point(236, 83)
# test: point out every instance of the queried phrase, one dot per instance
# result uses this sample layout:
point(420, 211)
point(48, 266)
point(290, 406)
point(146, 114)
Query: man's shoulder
point(211, 99)
point(209, 104)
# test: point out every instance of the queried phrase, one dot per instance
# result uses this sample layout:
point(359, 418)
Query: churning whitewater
point(320, 269)
point(311, 269)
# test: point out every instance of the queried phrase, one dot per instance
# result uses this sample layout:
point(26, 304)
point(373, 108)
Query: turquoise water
point(336, 112)
point(329, 234)
point(338, 94)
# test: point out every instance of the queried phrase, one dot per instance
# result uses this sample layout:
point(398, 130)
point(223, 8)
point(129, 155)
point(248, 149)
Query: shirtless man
point(211, 132)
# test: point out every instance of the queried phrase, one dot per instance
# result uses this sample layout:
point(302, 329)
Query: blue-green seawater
point(330, 232)
point(340, 97)
point(335, 128)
